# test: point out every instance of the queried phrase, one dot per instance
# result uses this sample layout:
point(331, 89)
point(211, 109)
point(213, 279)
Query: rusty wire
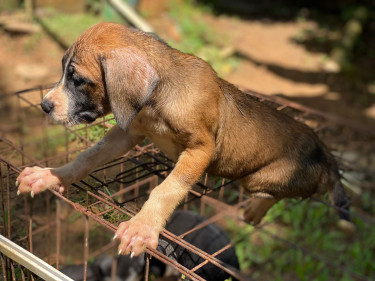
point(117, 190)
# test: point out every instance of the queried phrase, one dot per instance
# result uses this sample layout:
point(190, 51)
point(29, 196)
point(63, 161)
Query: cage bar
point(116, 191)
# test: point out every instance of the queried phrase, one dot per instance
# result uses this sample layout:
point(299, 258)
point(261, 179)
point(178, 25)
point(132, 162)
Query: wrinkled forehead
point(94, 42)
point(75, 54)
point(83, 58)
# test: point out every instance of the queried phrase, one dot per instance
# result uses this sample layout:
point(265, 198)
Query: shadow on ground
point(354, 86)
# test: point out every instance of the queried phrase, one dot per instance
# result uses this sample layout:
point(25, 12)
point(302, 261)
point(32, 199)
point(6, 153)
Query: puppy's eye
point(78, 81)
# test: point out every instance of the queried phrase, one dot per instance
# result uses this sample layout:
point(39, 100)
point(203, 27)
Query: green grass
point(70, 26)
point(93, 133)
point(67, 27)
point(198, 37)
point(294, 239)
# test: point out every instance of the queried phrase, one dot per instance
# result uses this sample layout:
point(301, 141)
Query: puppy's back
point(261, 138)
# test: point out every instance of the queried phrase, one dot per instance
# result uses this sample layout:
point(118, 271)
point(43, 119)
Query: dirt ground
point(274, 64)
point(270, 62)
point(28, 61)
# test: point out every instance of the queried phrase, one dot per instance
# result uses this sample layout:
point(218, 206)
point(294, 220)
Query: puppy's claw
point(114, 237)
point(132, 255)
point(119, 252)
point(17, 183)
point(32, 194)
point(18, 192)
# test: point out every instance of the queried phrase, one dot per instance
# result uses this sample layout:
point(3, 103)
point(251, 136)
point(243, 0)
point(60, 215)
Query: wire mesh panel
point(297, 240)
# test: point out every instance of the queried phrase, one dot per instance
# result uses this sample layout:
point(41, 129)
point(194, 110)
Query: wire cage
point(78, 226)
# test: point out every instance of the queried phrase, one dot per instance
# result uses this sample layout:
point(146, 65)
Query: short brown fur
point(201, 121)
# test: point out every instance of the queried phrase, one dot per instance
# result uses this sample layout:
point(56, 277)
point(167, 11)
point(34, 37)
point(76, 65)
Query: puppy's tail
point(341, 200)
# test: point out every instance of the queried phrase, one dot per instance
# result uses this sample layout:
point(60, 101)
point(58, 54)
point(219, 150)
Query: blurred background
point(317, 53)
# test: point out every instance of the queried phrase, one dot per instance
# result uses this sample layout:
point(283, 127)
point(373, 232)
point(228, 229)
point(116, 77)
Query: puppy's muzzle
point(47, 106)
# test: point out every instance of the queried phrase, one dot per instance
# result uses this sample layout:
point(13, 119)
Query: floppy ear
point(129, 80)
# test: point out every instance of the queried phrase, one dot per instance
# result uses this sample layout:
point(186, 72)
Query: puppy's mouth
point(87, 116)
point(84, 117)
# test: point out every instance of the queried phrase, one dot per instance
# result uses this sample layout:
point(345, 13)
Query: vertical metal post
point(122, 170)
point(19, 119)
point(27, 230)
point(31, 226)
point(202, 207)
point(86, 245)
point(114, 266)
point(67, 158)
point(186, 202)
point(58, 232)
point(2, 197)
point(47, 237)
point(10, 265)
point(240, 196)
point(86, 249)
point(147, 269)
point(221, 192)
point(13, 274)
point(8, 201)
point(3, 267)
point(22, 273)
point(136, 190)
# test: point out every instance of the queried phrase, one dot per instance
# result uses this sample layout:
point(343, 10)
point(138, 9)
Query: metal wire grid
point(116, 191)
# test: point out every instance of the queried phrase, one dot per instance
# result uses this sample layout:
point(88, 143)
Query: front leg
point(115, 143)
point(143, 230)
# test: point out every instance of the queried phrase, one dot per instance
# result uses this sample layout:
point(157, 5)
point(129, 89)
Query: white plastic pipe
point(128, 12)
point(30, 261)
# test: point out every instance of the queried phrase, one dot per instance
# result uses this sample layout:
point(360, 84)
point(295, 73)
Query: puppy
point(201, 121)
point(209, 239)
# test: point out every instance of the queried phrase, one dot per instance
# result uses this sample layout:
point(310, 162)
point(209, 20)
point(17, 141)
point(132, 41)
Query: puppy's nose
point(47, 106)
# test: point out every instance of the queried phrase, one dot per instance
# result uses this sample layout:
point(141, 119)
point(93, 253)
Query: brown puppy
point(201, 121)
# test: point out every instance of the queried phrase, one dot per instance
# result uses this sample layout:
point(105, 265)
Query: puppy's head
point(104, 70)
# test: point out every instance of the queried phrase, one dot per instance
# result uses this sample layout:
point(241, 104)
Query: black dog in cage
point(209, 239)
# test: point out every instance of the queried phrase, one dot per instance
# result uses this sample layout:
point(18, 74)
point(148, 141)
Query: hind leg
point(258, 207)
point(280, 179)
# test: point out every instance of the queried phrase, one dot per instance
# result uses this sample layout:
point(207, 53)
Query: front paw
point(136, 235)
point(36, 179)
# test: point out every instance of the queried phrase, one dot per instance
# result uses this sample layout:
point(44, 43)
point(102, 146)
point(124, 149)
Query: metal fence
point(78, 226)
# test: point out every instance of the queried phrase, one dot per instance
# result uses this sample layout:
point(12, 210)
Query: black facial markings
point(82, 108)
point(70, 70)
point(78, 79)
